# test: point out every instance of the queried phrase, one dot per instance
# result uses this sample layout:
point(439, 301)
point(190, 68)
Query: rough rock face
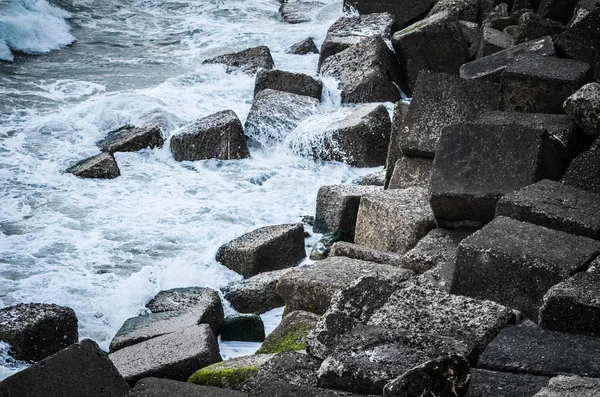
point(532, 26)
point(299, 12)
point(486, 383)
point(306, 46)
point(584, 170)
point(491, 67)
point(230, 374)
point(247, 61)
point(570, 386)
point(296, 83)
point(294, 368)
point(417, 52)
point(290, 334)
point(267, 248)
point(363, 253)
point(374, 179)
point(493, 41)
point(515, 263)
point(102, 165)
point(81, 369)
point(436, 249)
point(367, 71)
point(541, 84)
point(584, 107)
point(473, 35)
point(411, 172)
point(394, 151)
point(243, 328)
point(394, 220)
point(463, 10)
point(155, 387)
point(276, 387)
point(35, 331)
point(256, 294)
point(573, 305)
point(132, 139)
point(219, 136)
point(559, 10)
point(405, 11)
point(348, 31)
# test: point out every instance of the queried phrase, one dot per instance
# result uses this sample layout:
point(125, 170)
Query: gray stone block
point(306, 46)
point(290, 334)
point(571, 386)
point(247, 61)
point(132, 139)
point(299, 11)
point(296, 83)
point(256, 294)
point(532, 26)
point(584, 107)
point(394, 150)
point(584, 171)
point(154, 387)
point(363, 253)
point(436, 249)
point(295, 368)
point(411, 172)
point(493, 41)
point(486, 383)
point(405, 11)
point(463, 10)
point(102, 165)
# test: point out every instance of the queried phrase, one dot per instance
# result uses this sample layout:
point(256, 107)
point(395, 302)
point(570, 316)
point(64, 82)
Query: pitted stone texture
point(492, 66)
point(394, 220)
point(363, 253)
point(436, 249)
point(247, 61)
point(219, 136)
point(231, 374)
point(173, 356)
point(515, 263)
point(296, 83)
point(531, 350)
point(256, 294)
point(102, 165)
point(81, 369)
point(394, 150)
point(411, 172)
point(155, 387)
point(306, 46)
point(493, 41)
point(584, 107)
point(571, 386)
point(486, 383)
point(276, 387)
point(337, 207)
point(267, 248)
point(473, 36)
point(554, 205)
point(532, 26)
point(295, 368)
point(35, 331)
point(374, 179)
point(541, 84)
point(350, 30)
point(416, 50)
point(404, 11)
point(440, 100)
point(132, 139)
point(367, 71)
point(584, 171)
point(574, 305)
point(290, 334)
point(299, 12)
point(463, 10)
point(311, 288)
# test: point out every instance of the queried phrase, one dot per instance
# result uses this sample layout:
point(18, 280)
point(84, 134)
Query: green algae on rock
point(230, 374)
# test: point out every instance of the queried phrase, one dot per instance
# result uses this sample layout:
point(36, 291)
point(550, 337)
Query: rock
point(574, 305)
point(532, 26)
point(202, 301)
point(498, 18)
point(492, 66)
point(463, 10)
point(554, 205)
point(322, 247)
point(367, 72)
point(541, 84)
point(276, 387)
point(132, 139)
point(337, 207)
point(374, 179)
point(247, 61)
point(582, 41)
point(256, 294)
point(230, 374)
point(296, 83)
point(243, 328)
point(436, 249)
point(559, 10)
point(219, 136)
point(102, 165)
point(154, 387)
point(299, 11)
point(515, 263)
point(292, 367)
point(493, 41)
point(476, 164)
point(351, 30)
point(444, 54)
point(35, 331)
point(363, 253)
point(584, 170)
point(405, 11)
point(571, 386)
point(290, 334)
point(81, 369)
point(394, 220)
point(173, 356)
point(306, 46)
point(264, 249)
point(472, 35)
point(486, 383)
point(440, 100)
point(394, 151)
point(310, 288)
point(531, 350)
point(584, 107)
point(443, 376)
point(274, 114)
point(357, 136)
point(411, 172)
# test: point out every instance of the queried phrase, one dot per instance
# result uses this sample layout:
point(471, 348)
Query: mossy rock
point(290, 334)
point(230, 374)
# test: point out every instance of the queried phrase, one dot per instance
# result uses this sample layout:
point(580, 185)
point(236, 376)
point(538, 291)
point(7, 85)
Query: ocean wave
point(32, 27)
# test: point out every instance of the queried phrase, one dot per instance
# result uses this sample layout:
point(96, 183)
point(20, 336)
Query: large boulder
point(416, 51)
point(306, 46)
point(173, 356)
point(350, 30)
point(515, 263)
point(81, 369)
point(274, 114)
point(293, 368)
point(256, 294)
point(411, 172)
point(205, 301)
point(102, 165)
point(405, 11)
point(492, 41)
point(155, 387)
point(394, 220)
point(584, 107)
point(584, 170)
point(363, 253)
point(243, 328)
point(296, 83)
point(367, 72)
point(219, 136)
point(440, 100)
point(230, 374)
point(541, 84)
point(476, 164)
point(463, 10)
point(132, 139)
point(571, 386)
point(35, 331)
point(290, 334)
point(299, 11)
point(532, 26)
point(484, 383)
point(264, 249)
point(247, 61)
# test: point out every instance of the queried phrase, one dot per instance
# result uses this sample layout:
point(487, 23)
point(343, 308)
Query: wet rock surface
point(247, 61)
point(102, 166)
point(296, 83)
point(256, 294)
point(405, 11)
point(306, 46)
point(299, 12)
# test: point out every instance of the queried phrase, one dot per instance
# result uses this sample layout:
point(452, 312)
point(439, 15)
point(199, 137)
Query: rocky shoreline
point(469, 267)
